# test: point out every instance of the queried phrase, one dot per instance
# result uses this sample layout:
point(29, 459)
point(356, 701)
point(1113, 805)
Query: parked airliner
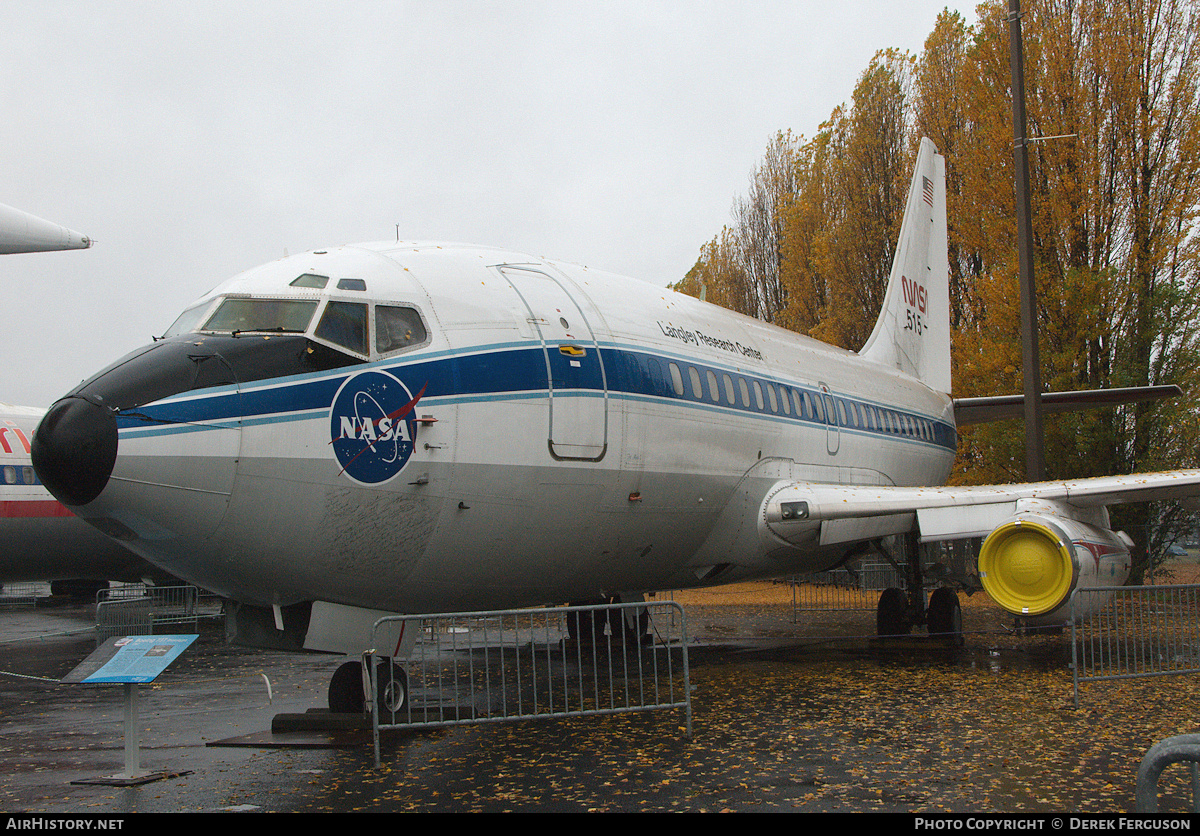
point(406, 427)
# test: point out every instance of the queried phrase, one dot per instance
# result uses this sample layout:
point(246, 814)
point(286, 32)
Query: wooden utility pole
point(1035, 459)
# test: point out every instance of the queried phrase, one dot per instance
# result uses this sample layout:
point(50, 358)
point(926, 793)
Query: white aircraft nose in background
point(21, 232)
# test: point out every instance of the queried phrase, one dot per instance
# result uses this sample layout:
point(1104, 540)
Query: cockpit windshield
point(250, 315)
point(344, 325)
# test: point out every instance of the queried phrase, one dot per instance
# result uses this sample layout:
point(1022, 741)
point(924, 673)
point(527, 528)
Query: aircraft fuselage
point(502, 430)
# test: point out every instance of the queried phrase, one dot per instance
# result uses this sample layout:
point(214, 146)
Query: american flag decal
point(927, 190)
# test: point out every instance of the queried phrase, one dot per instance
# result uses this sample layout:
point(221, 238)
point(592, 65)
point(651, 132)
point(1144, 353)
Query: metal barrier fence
point(841, 590)
point(1182, 749)
point(137, 609)
point(533, 663)
point(23, 592)
point(1135, 631)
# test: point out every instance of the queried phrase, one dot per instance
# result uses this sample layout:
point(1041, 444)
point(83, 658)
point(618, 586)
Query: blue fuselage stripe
point(513, 373)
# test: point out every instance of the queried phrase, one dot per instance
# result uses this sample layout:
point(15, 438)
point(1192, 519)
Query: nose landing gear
point(348, 685)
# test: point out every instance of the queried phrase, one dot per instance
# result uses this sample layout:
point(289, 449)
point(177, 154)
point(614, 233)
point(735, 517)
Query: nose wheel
point(346, 689)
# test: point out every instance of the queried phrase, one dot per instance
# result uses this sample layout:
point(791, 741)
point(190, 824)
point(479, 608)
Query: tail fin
point(913, 331)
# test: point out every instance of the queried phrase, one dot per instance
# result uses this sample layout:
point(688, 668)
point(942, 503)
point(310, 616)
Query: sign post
point(131, 661)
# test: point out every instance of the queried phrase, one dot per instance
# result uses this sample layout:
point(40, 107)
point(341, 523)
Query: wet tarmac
point(810, 717)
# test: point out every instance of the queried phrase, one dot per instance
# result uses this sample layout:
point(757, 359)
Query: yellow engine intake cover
point(1026, 567)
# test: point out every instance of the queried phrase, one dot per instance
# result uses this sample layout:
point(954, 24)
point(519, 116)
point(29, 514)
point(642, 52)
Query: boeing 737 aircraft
point(420, 428)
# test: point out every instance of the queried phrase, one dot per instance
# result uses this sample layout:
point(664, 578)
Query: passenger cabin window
point(658, 383)
point(676, 379)
point(250, 315)
point(344, 324)
point(397, 328)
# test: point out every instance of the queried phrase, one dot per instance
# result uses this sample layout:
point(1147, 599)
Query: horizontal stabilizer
point(1002, 407)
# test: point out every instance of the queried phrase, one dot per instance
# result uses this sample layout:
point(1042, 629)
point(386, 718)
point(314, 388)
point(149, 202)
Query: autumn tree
point(868, 165)
point(739, 268)
point(1113, 90)
point(1113, 110)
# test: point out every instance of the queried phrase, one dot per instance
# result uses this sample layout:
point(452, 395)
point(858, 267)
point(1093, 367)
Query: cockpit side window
point(275, 315)
point(310, 280)
point(344, 324)
point(188, 320)
point(397, 328)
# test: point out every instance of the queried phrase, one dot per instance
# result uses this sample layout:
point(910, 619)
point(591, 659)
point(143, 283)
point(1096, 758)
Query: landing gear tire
point(79, 590)
point(891, 616)
point(346, 690)
point(619, 629)
point(391, 689)
point(943, 616)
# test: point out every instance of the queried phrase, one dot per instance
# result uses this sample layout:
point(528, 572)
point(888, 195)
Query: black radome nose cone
point(74, 449)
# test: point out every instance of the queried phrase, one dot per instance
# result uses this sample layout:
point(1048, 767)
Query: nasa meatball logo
point(372, 426)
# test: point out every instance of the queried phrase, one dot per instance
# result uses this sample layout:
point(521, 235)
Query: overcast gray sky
point(194, 140)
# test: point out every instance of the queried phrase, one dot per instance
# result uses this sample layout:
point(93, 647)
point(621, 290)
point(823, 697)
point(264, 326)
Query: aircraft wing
point(948, 513)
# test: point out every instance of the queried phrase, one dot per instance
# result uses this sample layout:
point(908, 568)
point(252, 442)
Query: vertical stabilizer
point(913, 331)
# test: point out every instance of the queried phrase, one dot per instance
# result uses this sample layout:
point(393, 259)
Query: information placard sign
point(130, 659)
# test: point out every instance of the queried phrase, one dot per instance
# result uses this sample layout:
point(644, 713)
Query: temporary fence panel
point(23, 592)
point(533, 663)
point(138, 609)
point(1182, 749)
point(1135, 631)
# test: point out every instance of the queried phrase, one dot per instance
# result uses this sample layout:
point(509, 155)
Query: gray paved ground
point(785, 720)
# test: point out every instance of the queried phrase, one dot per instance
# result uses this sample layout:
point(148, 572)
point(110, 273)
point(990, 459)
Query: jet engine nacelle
point(1032, 562)
point(1037, 553)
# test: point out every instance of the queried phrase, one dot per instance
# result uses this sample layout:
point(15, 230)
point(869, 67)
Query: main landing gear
point(347, 687)
point(623, 628)
point(942, 616)
point(899, 611)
